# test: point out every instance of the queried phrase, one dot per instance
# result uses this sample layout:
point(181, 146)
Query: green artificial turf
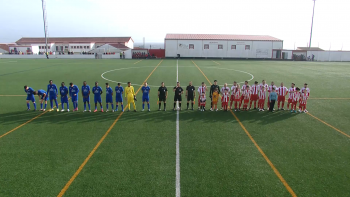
point(138, 156)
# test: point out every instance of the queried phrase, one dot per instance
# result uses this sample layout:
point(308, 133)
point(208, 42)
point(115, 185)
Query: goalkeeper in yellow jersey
point(130, 96)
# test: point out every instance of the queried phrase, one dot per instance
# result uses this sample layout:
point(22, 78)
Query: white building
point(71, 44)
point(222, 46)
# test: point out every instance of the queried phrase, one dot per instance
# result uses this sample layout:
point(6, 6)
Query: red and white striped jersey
point(282, 91)
point(201, 89)
point(304, 98)
point(270, 88)
point(233, 89)
point(291, 91)
point(295, 96)
point(262, 94)
point(264, 85)
point(225, 88)
point(203, 98)
point(307, 89)
point(255, 89)
point(246, 94)
point(225, 97)
point(237, 94)
point(244, 87)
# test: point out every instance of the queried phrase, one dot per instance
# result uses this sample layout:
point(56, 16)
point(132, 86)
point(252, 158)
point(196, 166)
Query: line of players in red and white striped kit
point(255, 96)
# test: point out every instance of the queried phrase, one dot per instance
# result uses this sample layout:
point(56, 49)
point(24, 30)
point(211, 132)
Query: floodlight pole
point(44, 19)
point(312, 23)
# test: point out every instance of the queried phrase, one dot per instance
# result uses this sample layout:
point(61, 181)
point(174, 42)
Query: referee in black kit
point(190, 94)
point(178, 94)
point(212, 89)
point(162, 95)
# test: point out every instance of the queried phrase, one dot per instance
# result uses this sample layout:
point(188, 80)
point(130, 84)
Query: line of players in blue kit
point(73, 90)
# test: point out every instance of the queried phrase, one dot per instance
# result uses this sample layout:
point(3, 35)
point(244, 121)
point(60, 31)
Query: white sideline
point(177, 141)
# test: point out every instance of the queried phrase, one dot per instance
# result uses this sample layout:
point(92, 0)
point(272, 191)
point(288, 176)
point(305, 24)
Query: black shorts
point(190, 98)
point(178, 98)
point(162, 99)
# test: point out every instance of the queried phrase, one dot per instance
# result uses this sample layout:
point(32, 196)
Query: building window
point(39, 47)
point(88, 47)
point(66, 47)
point(206, 46)
point(49, 47)
point(233, 47)
point(247, 47)
point(81, 47)
point(84, 47)
point(75, 47)
point(220, 46)
point(191, 46)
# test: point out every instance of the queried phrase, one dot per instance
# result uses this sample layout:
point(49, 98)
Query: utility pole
point(312, 22)
point(44, 19)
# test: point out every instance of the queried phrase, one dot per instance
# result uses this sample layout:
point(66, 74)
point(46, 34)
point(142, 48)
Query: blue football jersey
point(86, 90)
point(73, 90)
point(63, 90)
point(119, 91)
point(29, 91)
point(109, 92)
point(52, 89)
point(41, 92)
point(145, 91)
point(97, 91)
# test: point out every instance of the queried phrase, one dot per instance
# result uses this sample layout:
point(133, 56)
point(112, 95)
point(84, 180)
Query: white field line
point(178, 194)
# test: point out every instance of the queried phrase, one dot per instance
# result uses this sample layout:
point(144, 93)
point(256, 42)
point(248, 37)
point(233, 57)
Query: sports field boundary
point(65, 188)
point(278, 174)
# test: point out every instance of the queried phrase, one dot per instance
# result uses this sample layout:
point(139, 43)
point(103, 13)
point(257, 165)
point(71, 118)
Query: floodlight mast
point(44, 19)
point(312, 22)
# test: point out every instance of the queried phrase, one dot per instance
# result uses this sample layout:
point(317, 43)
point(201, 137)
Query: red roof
point(74, 40)
point(219, 37)
point(4, 47)
point(119, 46)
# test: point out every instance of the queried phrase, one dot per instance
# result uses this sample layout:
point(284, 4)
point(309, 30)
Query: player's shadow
point(154, 116)
point(18, 117)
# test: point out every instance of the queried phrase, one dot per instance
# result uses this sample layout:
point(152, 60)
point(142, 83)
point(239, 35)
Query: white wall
point(277, 45)
point(20, 49)
point(116, 56)
point(51, 47)
point(130, 44)
point(170, 48)
point(338, 56)
point(258, 49)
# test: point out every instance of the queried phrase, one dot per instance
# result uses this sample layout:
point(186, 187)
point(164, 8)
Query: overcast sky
point(289, 20)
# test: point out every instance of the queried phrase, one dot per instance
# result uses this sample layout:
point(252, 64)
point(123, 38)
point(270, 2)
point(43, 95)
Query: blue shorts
point(53, 97)
point(145, 99)
point(30, 98)
point(98, 100)
point(109, 100)
point(86, 99)
point(74, 98)
point(118, 99)
point(44, 98)
point(64, 99)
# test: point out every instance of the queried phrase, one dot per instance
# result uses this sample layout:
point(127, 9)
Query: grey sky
point(288, 20)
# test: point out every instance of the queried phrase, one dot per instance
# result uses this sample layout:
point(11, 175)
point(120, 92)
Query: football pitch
point(174, 153)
